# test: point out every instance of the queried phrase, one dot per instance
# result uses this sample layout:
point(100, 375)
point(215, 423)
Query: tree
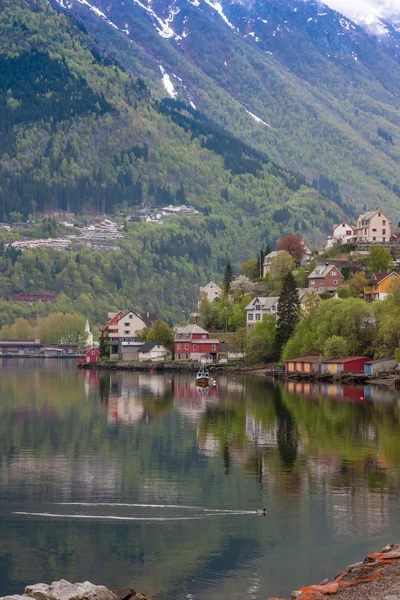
point(239, 341)
point(288, 312)
point(336, 346)
point(356, 284)
point(241, 285)
point(251, 269)
point(162, 333)
point(380, 259)
point(281, 264)
point(310, 304)
point(260, 340)
point(293, 245)
point(228, 276)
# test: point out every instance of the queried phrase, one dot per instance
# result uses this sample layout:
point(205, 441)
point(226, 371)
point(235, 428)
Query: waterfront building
point(347, 364)
point(192, 342)
point(305, 364)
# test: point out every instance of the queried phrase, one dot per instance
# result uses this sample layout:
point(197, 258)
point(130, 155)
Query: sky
point(365, 10)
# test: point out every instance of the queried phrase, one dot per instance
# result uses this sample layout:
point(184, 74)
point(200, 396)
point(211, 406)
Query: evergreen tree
point(228, 276)
point(288, 312)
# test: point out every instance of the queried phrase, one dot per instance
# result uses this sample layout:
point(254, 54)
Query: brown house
point(325, 278)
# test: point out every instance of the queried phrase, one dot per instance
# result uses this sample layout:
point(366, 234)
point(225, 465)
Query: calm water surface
point(140, 479)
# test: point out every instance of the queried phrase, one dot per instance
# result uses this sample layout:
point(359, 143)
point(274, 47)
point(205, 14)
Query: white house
point(259, 307)
point(153, 352)
point(374, 226)
point(212, 292)
point(342, 233)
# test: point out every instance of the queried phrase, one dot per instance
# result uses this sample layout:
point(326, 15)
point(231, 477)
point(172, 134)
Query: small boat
point(203, 377)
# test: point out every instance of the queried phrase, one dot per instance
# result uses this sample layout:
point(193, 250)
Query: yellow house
point(379, 286)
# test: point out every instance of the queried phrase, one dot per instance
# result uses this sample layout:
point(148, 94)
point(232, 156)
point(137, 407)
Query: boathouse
point(347, 364)
point(382, 365)
point(305, 364)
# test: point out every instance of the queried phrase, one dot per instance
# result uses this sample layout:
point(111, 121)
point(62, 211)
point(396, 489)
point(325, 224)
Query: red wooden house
point(194, 343)
point(91, 355)
point(348, 364)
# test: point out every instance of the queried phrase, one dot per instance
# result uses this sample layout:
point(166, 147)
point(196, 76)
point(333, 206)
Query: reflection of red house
point(91, 355)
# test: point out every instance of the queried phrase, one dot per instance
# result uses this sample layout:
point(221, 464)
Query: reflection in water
point(134, 478)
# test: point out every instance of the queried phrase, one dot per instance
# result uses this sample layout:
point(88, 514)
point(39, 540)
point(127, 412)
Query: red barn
point(192, 342)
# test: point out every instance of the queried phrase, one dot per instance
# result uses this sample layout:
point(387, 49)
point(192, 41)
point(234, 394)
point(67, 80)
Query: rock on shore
point(64, 590)
point(376, 578)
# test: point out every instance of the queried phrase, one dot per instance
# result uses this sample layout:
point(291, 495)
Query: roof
point(265, 302)
point(148, 318)
point(191, 329)
point(346, 359)
point(271, 255)
point(379, 277)
point(368, 215)
point(379, 360)
point(307, 359)
point(148, 346)
point(202, 289)
point(322, 271)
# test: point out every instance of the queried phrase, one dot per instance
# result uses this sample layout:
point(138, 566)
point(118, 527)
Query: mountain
point(78, 132)
point(295, 80)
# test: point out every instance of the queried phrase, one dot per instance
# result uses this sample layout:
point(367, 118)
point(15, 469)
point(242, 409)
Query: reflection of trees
point(287, 431)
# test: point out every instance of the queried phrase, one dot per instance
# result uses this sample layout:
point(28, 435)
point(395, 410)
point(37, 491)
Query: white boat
point(202, 377)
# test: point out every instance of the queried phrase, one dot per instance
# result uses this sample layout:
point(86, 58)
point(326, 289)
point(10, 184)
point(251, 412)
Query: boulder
point(64, 590)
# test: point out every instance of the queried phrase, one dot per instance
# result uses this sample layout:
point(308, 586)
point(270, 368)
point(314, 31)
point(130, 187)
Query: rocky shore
point(169, 366)
point(376, 578)
point(64, 590)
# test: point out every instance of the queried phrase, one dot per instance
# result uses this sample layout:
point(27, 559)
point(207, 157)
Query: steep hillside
point(295, 80)
point(78, 133)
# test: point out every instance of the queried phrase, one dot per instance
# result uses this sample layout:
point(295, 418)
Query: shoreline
point(390, 380)
point(375, 578)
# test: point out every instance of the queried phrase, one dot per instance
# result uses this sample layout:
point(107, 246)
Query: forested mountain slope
point(323, 88)
point(78, 133)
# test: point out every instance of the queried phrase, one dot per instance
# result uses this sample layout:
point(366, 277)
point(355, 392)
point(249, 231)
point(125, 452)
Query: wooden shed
point(382, 365)
point(305, 364)
point(347, 364)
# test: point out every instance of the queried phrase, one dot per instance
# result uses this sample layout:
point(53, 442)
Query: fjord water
point(140, 479)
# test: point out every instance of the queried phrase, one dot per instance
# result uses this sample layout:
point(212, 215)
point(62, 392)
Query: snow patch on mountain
point(369, 14)
point(217, 6)
point(163, 27)
point(253, 116)
point(169, 86)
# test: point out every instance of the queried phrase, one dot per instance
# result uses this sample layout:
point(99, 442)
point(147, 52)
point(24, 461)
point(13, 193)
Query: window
point(312, 282)
point(333, 273)
point(126, 331)
point(178, 347)
point(379, 214)
point(384, 222)
point(374, 230)
point(214, 346)
point(187, 356)
point(384, 231)
point(374, 239)
point(250, 317)
point(194, 347)
point(179, 357)
point(203, 337)
point(186, 346)
point(334, 281)
point(384, 239)
point(131, 316)
point(343, 224)
point(348, 232)
point(258, 317)
point(257, 307)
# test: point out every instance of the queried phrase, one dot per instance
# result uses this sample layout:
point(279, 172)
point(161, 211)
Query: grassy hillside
point(78, 133)
point(323, 93)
